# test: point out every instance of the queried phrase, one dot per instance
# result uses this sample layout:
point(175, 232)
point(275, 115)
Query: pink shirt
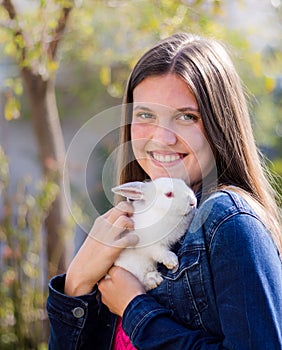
point(121, 340)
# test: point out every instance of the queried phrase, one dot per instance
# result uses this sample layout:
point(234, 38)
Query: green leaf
point(12, 108)
point(19, 41)
point(105, 75)
point(9, 48)
point(15, 85)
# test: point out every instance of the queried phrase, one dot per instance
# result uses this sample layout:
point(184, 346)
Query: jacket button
point(78, 312)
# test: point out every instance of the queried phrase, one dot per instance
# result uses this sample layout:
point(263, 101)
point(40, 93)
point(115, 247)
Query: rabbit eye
point(169, 194)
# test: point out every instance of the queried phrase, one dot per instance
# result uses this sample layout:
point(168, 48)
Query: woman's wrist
point(75, 286)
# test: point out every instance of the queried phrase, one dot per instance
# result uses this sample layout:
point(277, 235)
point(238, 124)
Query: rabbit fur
point(163, 210)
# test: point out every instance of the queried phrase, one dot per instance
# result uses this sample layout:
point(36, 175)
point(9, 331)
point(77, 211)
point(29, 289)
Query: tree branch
point(8, 5)
point(59, 31)
point(10, 8)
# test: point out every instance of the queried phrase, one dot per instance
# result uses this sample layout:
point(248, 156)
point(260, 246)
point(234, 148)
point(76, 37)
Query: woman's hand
point(107, 238)
point(118, 289)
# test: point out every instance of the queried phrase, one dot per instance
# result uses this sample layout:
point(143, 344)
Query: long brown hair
point(208, 71)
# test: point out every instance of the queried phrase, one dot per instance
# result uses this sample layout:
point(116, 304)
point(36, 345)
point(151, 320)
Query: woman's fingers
point(122, 208)
point(128, 240)
point(119, 289)
point(124, 222)
point(112, 227)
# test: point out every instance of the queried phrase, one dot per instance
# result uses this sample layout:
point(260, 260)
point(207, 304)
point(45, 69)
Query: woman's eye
point(188, 117)
point(145, 115)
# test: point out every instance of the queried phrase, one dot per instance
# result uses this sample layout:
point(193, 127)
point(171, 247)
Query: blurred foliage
point(113, 46)
point(13, 89)
point(276, 179)
point(35, 27)
point(22, 283)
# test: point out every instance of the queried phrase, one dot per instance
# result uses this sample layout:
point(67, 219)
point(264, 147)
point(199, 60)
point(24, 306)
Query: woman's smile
point(168, 159)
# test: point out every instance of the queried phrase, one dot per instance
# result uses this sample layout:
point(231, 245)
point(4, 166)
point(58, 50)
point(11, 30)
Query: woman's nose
point(164, 135)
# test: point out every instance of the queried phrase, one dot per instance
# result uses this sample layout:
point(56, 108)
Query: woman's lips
point(166, 158)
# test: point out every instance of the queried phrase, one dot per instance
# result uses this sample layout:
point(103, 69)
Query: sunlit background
point(99, 45)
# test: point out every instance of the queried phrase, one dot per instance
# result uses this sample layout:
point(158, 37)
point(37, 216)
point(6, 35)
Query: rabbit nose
point(169, 194)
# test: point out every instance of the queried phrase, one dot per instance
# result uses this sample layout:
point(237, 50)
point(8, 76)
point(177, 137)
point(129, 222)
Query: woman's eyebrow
point(182, 109)
point(189, 108)
point(143, 108)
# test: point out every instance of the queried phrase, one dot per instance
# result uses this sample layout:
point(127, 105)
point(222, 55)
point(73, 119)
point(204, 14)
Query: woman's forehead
point(167, 90)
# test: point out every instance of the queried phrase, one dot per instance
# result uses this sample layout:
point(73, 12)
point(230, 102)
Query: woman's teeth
point(165, 158)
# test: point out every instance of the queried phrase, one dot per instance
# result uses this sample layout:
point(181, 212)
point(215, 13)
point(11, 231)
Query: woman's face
point(167, 133)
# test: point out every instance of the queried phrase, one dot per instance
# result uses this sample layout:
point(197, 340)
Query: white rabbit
point(163, 210)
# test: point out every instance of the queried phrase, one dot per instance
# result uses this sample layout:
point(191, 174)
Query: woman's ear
point(130, 190)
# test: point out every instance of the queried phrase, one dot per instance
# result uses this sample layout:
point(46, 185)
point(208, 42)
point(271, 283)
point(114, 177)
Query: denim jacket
point(226, 293)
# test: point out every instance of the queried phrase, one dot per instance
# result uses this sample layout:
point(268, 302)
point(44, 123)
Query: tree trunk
point(47, 128)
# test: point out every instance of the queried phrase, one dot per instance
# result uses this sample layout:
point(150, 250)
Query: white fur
point(159, 221)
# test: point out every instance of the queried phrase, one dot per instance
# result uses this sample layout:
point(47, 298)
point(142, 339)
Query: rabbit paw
point(152, 280)
point(170, 260)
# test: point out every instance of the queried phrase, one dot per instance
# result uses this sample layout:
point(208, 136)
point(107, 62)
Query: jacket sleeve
point(247, 272)
point(150, 326)
point(247, 275)
point(76, 322)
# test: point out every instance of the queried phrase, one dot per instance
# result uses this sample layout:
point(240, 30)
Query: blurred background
point(64, 63)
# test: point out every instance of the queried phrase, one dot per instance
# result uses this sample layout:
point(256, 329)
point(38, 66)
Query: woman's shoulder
point(226, 202)
point(226, 210)
point(219, 207)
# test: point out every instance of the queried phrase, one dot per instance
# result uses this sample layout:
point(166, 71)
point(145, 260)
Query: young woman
point(185, 116)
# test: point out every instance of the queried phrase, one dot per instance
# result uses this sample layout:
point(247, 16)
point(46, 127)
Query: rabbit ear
point(130, 190)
